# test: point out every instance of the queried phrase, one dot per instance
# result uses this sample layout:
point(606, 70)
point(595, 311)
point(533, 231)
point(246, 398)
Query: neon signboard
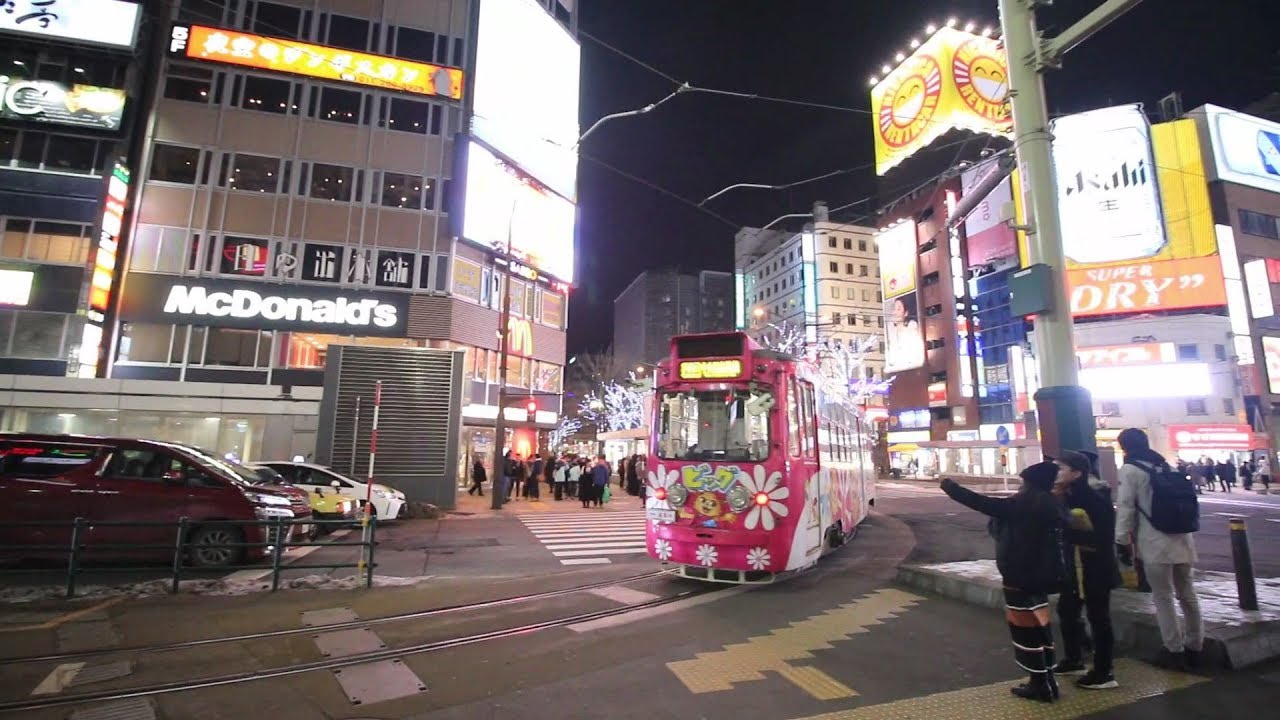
point(710, 369)
point(233, 47)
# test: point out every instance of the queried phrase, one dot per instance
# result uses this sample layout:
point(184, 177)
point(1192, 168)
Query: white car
point(387, 502)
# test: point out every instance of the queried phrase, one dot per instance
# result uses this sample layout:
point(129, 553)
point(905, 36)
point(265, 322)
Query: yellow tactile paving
point(993, 702)
point(718, 671)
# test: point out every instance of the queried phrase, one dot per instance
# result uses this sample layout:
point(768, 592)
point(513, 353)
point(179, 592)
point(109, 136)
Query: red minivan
point(58, 478)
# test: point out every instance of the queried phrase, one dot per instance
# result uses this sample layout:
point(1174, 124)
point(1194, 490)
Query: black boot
point(1038, 688)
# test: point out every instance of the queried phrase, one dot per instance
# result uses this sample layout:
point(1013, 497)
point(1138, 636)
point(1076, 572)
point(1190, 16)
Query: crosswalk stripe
point(590, 538)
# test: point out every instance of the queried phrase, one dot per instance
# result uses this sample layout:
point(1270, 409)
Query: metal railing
point(78, 549)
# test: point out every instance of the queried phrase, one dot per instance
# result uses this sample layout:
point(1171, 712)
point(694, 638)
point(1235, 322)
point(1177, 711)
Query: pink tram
point(758, 463)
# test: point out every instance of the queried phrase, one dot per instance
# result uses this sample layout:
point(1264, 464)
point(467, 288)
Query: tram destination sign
point(710, 369)
point(263, 306)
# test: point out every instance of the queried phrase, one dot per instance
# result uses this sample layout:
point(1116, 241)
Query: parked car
point(299, 499)
point(58, 478)
point(387, 502)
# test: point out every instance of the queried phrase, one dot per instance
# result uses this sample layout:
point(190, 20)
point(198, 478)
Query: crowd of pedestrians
point(1062, 534)
point(566, 477)
point(1205, 472)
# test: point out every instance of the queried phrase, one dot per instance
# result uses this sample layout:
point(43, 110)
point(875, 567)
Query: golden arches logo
point(520, 337)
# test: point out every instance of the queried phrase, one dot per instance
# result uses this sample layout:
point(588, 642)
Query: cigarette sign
point(233, 47)
point(1147, 287)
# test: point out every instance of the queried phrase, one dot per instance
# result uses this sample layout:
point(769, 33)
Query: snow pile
point(220, 587)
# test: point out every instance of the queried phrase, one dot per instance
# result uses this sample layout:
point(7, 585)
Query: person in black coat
point(478, 476)
point(1093, 570)
point(1028, 532)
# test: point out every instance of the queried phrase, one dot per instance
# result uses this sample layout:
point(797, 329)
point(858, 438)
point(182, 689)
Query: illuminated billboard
point(988, 239)
point(15, 287)
point(1131, 382)
point(1110, 205)
point(1147, 287)
point(233, 47)
point(503, 204)
point(56, 103)
point(112, 23)
point(1246, 149)
point(896, 246)
point(903, 336)
point(954, 80)
point(1271, 352)
point(1124, 355)
point(525, 101)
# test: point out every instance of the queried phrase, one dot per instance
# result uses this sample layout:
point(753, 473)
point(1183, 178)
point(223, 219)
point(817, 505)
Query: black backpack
point(1175, 509)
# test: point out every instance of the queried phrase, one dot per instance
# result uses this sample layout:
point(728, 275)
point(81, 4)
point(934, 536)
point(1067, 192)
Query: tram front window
point(718, 425)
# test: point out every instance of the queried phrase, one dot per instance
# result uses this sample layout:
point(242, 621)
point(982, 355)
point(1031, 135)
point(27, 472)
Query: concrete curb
point(1247, 639)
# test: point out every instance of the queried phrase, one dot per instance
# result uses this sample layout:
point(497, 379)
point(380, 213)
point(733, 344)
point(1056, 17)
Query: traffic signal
point(531, 406)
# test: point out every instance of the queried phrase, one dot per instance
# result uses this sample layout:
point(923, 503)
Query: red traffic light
point(531, 406)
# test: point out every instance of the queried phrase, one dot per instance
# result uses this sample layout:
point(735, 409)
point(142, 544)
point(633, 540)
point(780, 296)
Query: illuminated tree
point(784, 338)
point(614, 406)
point(565, 429)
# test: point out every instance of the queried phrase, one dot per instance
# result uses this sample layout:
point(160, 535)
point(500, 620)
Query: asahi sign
point(263, 306)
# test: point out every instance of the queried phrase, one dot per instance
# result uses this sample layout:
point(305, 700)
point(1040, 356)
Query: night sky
point(824, 51)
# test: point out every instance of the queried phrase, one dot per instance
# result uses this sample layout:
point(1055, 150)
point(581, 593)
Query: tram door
point(806, 421)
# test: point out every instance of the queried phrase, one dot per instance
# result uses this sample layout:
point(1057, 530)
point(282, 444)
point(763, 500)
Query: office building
point(661, 303)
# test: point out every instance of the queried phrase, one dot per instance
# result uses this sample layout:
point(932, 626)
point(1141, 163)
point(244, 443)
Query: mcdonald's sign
point(520, 337)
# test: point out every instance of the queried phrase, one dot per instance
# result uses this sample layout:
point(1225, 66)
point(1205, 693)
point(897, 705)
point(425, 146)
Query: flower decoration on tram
point(766, 498)
point(662, 549)
point(661, 493)
point(758, 558)
point(707, 555)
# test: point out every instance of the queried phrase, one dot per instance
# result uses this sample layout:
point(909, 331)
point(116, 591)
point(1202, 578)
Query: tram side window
point(793, 418)
point(717, 425)
point(810, 427)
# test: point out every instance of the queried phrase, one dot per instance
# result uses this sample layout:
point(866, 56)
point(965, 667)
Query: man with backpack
point(1159, 506)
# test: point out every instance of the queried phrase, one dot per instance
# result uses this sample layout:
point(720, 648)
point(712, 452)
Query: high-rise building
point(358, 173)
point(823, 282)
point(661, 303)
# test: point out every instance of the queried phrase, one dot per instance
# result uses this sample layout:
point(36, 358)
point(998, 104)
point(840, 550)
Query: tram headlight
point(676, 495)
point(738, 498)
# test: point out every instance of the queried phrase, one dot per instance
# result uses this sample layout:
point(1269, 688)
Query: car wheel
point(207, 546)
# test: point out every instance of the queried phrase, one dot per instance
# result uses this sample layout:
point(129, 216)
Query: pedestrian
point(1246, 475)
point(599, 481)
point(519, 476)
point(1093, 572)
point(641, 470)
point(1028, 533)
point(633, 475)
point(532, 480)
point(549, 472)
point(582, 478)
point(508, 475)
point(1194, 473)
point(561, 478)
point(1226, 472)
point(478, 476)
point(1163, 515)
point(1209, 472)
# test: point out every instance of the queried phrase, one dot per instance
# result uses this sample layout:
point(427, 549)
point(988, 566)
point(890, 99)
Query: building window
point(336, 105)
point(862, 245)
point(174, 164)
point(204, 12)
point(266, 95)
point(853, 320)
point(157, 249)
point(1197, 406)
point(332, 182)
point(409, 116)
point(189, 84)
point(226, 347)
point(446, 195)
point(347, 32)
point(1188, 352)
point(244, 256)
point(251, 173)
point(848, 243)
point(38, 335)
point(277, 20)
point(850, 293)
point(835, 318)
point(866, 296)
point(835, 267)
point(848, 268)
point(148, 342)
point(831, 242)
point(1228, 406)
point(1260, 224)
point(415, 44)
point(59, 153)
point(58, 242)
point(1110, 409)
point(835, 293)
point(401, 191)
point(863, 271)
point(1219, 352)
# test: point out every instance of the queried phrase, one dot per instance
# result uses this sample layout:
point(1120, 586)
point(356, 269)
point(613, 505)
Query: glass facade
point(238, 437)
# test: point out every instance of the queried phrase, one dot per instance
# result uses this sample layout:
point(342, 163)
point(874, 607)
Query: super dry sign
point(710, 369)
point(1147, 287)
point(233, 47)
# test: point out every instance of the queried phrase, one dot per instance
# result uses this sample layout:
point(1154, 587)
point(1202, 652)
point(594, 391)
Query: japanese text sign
point(113, 23)
point(233, 47)
point(1211, 437)
point(1147, 287)
point(1117, 355)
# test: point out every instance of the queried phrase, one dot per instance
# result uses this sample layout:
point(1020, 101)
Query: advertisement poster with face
point(904, 339)
point(989, 238)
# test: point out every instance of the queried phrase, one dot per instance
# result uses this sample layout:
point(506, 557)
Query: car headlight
point(267, 500)
point(738, 498)
point(677, 494)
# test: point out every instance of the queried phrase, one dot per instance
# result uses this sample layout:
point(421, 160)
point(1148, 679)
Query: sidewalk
point(474, 507)
point(997, 482)
point(1234, 638)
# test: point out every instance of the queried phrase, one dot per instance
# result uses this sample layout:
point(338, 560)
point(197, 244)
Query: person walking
point(531, 483)
point(633, 475)
point(508, 474)
point(581, 477)
point(478, 477)
point(1093, 572)
point(559, 477)
point(1226, 472)
point(1194, 473)
point(519, 473)
point(549, 472)
point(1246, 475)
point(599, 480)
point(1151, 505)
point(1028, 532)
point(1210, 473)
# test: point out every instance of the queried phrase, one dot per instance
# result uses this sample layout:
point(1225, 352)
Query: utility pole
point(1063, 408)
point(498, 491)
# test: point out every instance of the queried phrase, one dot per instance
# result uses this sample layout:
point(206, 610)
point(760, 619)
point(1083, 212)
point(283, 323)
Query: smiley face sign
point(910, 102)
point(982, 80)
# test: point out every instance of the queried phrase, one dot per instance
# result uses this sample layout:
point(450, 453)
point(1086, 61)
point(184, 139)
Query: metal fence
point(77, 550)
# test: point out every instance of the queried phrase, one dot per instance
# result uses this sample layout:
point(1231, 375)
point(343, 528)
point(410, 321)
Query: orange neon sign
point(1147, 287)
point(233, 47)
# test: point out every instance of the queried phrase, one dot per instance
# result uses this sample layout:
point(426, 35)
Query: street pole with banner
point(367, 552)
point(1063, 408)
